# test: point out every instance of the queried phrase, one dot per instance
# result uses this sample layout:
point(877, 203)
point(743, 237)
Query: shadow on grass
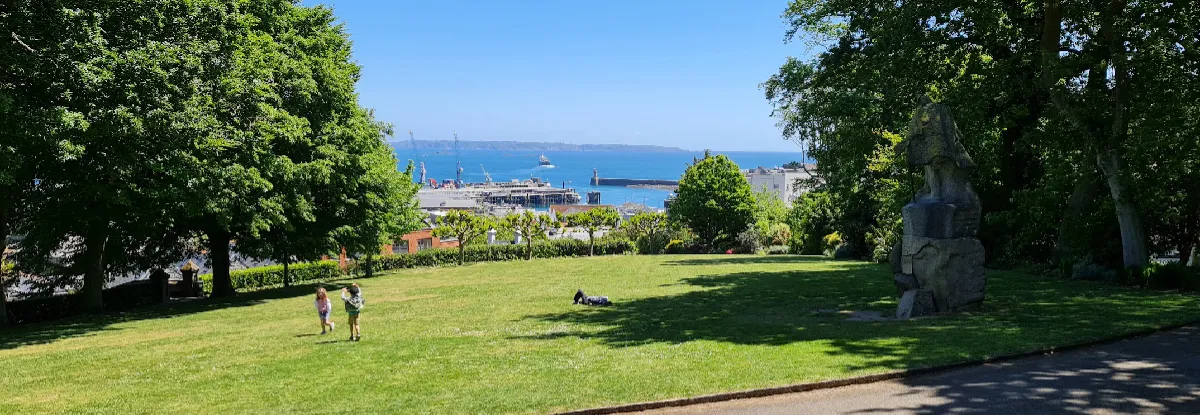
point(87, 325)
point(1022, 313)
point(750, 259)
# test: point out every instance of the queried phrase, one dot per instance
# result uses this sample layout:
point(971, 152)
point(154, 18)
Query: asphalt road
point(1157, 374)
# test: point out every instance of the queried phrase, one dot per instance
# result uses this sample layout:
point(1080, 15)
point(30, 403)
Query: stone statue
point(939, 252)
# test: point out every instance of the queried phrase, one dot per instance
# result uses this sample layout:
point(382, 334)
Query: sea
point(573, 169)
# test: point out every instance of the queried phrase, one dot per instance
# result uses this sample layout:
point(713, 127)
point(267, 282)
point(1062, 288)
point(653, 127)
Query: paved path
point(1158, 374)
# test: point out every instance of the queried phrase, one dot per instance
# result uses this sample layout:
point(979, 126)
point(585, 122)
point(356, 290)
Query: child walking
point(324, 306)
point(354, 305)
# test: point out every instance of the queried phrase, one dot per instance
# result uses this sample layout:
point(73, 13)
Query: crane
point(487, 178)
point(458, 183)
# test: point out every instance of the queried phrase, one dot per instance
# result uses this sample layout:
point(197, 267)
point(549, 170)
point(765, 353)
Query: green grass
point(504, 337)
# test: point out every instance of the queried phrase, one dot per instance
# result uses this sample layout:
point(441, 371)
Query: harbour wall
point(601, 181)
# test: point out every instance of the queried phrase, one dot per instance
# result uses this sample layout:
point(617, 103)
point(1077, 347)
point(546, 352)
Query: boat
point(542, 160)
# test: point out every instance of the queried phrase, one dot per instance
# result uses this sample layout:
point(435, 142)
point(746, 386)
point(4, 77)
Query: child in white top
point(324, 306)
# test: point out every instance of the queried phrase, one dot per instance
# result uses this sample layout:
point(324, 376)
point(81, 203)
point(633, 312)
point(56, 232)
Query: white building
point(779, 180)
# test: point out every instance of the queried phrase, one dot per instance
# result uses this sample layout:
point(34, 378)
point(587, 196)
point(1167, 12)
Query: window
point(400, 247)
point(424, 243)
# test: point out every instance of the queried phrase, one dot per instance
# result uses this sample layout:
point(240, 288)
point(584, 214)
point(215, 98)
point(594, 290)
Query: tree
point(531, 226)
point(108, 103)
point(651, 230)
point(1041, 90)
point(714, 200)
point(465, 226)
point(769, 210)
point(594, 220)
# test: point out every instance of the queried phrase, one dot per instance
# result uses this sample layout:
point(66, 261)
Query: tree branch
point(18, 40)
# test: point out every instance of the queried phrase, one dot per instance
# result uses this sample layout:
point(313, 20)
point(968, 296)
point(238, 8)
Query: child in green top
point(354, 305)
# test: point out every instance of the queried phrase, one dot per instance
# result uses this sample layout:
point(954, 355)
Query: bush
point(272, 276)
point(679, 246)
point(831, 243)
point(1088, 271)
point(749, 241)
point(1167, 276)
point(777, 250)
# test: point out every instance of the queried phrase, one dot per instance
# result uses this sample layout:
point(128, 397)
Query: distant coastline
point(532, 146)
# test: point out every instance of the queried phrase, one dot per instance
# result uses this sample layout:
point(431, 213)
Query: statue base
point(951, 268)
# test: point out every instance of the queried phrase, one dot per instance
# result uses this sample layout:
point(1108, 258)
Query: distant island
point(529, 146)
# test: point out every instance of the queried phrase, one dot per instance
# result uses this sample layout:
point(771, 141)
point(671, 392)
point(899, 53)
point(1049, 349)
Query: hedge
point(272, 275)
point(491, 253)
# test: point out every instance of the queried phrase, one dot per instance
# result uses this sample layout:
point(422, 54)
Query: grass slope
point(503, 337)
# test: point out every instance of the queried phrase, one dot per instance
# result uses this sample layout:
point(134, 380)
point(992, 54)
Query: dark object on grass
point(581, 298)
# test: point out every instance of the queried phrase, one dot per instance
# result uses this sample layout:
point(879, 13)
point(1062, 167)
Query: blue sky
point(675, 73)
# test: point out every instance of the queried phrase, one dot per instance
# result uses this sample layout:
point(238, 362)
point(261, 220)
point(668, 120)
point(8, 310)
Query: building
point(418, 241)
point(779, 180)
point(558, 211)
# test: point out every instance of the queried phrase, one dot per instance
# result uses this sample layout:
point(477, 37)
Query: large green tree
point(108, 88)
point(714, 200)
point(1041, 90)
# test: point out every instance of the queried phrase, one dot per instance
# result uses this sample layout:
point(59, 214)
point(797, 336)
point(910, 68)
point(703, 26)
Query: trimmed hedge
point(491, 253)
point(272, 276)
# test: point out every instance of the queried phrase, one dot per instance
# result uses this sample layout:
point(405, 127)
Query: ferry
point(542, 160)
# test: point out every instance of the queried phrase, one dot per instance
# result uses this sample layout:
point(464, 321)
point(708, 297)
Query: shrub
point(779, 234)
point(749, 241)
point(1088, 271)
point(1166, 276)
point(831, 243)
point(272, 276)
point(777, 250)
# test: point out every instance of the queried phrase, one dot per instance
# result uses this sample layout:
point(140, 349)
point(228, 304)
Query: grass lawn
point(504, 337)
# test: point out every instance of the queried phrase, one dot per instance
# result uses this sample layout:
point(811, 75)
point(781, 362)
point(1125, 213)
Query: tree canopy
point(714, 200)
point(1058, 101)
point(594, 220)
point(134, 133)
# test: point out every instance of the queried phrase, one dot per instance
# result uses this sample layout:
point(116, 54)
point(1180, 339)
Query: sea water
point(573, 169)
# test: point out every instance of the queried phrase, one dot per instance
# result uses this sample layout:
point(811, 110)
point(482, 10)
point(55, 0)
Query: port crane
point(487, 178)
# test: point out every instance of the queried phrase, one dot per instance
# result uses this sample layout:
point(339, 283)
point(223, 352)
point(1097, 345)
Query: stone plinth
point(951, 268)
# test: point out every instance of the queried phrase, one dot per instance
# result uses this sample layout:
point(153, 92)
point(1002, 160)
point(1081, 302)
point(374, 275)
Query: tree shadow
point(1022, 313)
point(1155, 374)
point(89, 325)
point(750, 260)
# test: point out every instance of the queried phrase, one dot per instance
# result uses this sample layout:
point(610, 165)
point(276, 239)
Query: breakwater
point(601, 181)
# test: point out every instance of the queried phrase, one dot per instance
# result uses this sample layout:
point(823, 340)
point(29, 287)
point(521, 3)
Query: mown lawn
point(504, 337)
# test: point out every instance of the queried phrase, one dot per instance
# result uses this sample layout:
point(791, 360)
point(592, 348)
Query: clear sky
point(675, 73)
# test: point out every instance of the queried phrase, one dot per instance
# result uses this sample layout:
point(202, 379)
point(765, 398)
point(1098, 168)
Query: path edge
point(862, 380)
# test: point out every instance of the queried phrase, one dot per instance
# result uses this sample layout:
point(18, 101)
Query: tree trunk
point(218, 256)
point(92, 293)
point(1082, 198)
point(591, 244)
point(1133, 234)
point(370, 266)
point(4, 218)
point(287, 278)
point(462, 252)
point(528, 249)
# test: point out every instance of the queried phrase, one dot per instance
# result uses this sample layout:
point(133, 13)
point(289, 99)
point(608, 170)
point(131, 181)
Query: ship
point(542, 160)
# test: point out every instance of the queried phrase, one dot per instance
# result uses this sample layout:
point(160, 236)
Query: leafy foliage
point(531, 226)
point(594, 220)
point(1042, 93)
point(465, 226)
point(714, 200)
